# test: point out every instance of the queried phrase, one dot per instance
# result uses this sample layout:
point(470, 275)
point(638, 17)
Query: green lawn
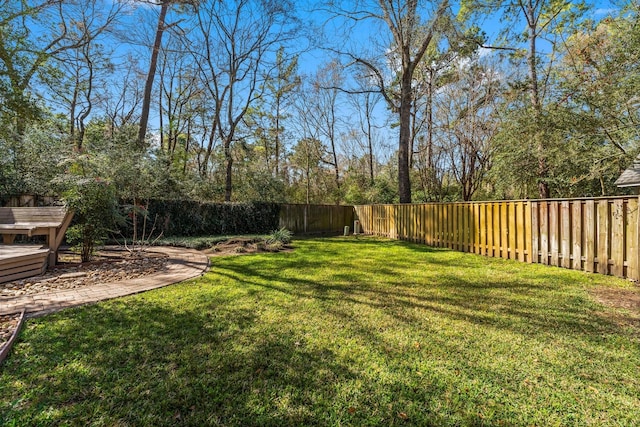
point(337, 332)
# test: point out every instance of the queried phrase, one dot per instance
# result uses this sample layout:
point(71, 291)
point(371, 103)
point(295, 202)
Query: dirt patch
point(625, 301)
point(242, 246)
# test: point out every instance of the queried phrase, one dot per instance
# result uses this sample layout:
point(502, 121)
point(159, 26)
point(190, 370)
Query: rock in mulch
point(8, 324)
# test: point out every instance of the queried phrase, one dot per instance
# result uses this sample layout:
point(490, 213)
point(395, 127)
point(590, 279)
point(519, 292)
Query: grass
point(337, 332)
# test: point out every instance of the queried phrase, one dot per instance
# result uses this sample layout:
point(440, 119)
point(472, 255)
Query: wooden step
point(22, 261)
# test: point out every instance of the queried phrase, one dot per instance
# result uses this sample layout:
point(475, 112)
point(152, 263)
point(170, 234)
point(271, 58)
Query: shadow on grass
point(139, 363)
point(515, 305)
point(329, 335)
point(136, 362)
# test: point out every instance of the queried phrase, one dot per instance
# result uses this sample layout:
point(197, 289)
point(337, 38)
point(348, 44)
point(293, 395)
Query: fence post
point(637, 248)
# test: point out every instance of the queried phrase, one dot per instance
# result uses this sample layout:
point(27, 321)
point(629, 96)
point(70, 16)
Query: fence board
point(468, 229)
point(462, 233)
point(488, 224)
point(495, 213)
point(590, 235)
point(565, 234)
point(631, 232)
point(475, 220)
point(450, 224)
point(453, 221)
point(576, 235)
point(596, 235)
point(390, 212)
point(554, 233)
point(617, 237)
point(520, 230)
point(427, 222)
point(544, 232)
point(483, 229)
point(504, 228)
point(602, 234)
point(437, 224)
point(534, 246)
point(513, 234)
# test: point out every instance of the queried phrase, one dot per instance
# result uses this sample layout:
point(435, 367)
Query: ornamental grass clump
point(282, 236)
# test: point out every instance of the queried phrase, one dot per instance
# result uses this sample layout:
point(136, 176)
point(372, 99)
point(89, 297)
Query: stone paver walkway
point(183, 264)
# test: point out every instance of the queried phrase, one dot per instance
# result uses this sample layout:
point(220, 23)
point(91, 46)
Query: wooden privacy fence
point(27, 200)
point(595, 235)
point(310, 219)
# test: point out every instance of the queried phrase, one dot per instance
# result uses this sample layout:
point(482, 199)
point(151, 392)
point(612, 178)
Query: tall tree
point(77, 78)
point(365, 130)
point(180, 100)
point(411, 36)
point(597, 84)
point(268, 118)
point(161, 27)
point(151, 75)
point(279, 88)
point(468, 120)
point(234, 48)
point(31, 34)
point(440, 67)
point(305, 165)
point(528, 23)
point(321, 110)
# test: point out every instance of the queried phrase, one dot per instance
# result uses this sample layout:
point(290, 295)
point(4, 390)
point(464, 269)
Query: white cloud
point(605, 11)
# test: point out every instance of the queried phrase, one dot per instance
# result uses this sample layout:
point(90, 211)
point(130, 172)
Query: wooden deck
point(50, 221)
point(21, 261)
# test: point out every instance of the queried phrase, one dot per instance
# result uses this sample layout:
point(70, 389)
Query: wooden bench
point(45, 221)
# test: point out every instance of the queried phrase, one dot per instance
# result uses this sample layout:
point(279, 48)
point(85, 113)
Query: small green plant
point(95, 208)
point(282, 236)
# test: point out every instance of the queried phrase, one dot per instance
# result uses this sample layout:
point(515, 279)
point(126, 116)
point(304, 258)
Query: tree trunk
point(277, 138)
point(228, 187)
point(146, 101)
point(534, 92)
point(369, 139)
point(404, 145)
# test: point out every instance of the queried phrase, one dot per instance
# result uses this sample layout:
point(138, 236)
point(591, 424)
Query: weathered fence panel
point(27, 201)
point(315, 219)
point(595, 235)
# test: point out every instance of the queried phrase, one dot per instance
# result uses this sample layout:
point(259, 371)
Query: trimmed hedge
point(190, 218)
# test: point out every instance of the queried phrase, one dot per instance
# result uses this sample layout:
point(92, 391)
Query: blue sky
point(142, 20)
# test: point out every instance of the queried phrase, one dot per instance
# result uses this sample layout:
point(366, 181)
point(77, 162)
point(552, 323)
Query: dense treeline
point(246, 100)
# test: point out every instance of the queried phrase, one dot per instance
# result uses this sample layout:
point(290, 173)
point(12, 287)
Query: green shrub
point(95, 209)
point(187, 218)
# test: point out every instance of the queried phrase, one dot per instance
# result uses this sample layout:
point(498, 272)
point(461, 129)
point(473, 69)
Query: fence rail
point(596, 235)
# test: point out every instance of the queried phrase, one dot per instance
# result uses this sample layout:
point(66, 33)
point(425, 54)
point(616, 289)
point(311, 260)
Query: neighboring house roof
point(631, 176)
